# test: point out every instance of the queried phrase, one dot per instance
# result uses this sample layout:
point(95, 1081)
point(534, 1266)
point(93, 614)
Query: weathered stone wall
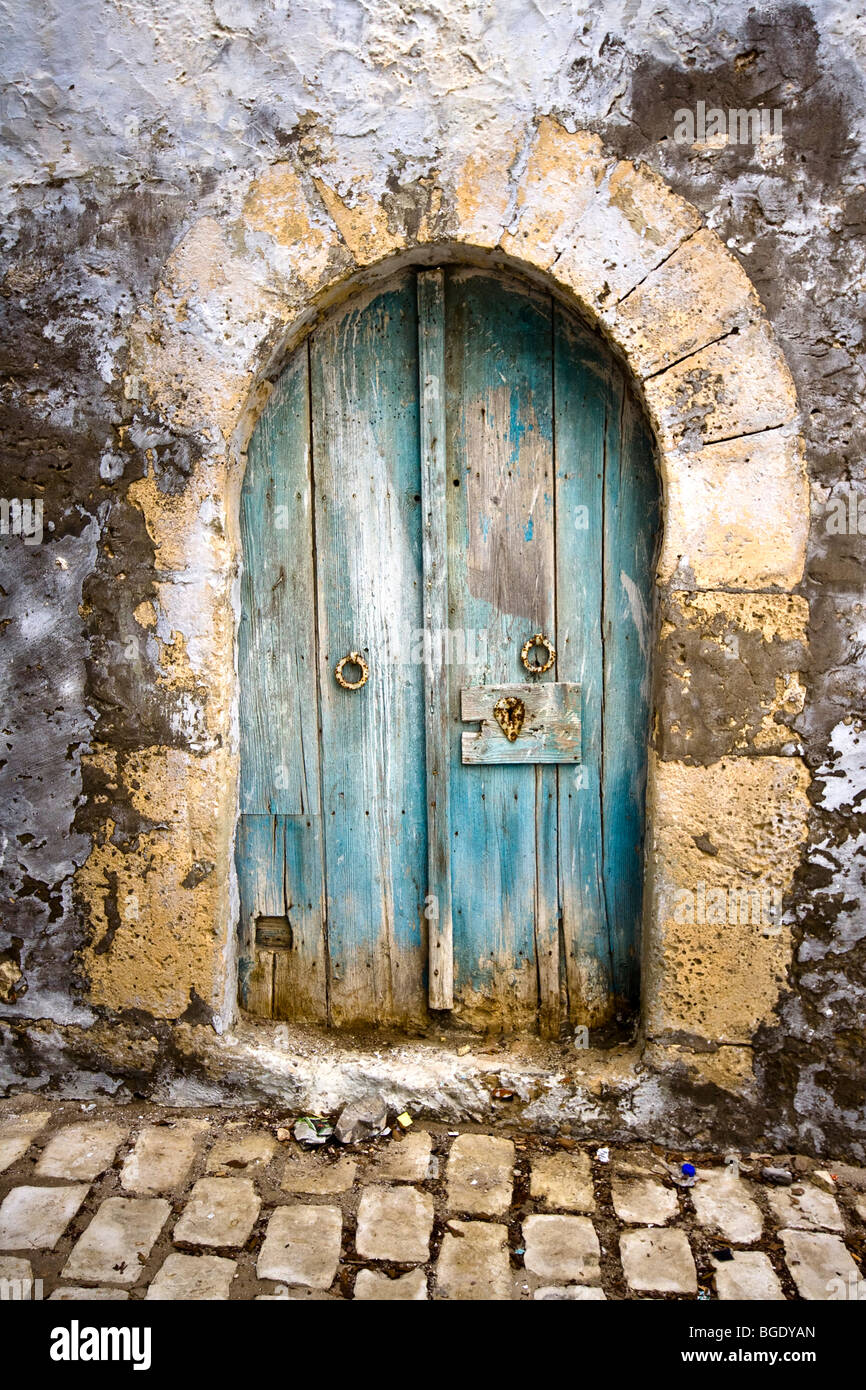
point(186, 186)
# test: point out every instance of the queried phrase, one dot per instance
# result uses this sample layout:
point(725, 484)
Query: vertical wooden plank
point(260, 857)
point(276, 634)
point(367, 481)
point(632, 512)
point(547, 902)
point(587, 408)
point(279, 734)
point(300, 972)
point(501, 590)
point(431, 367)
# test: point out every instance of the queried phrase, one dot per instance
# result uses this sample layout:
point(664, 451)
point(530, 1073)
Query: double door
point(449, 522)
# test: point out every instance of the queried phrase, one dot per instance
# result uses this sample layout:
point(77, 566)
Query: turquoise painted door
point(448, 467)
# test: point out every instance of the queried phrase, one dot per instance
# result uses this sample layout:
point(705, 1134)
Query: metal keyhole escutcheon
point(510, 713)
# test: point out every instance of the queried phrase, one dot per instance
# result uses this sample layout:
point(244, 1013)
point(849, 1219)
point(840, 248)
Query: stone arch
point(242, 286)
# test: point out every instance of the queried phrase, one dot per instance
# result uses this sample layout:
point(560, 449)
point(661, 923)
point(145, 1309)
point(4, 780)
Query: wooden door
point(446, 468)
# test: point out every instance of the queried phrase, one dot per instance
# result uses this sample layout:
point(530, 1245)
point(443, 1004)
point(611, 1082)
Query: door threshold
point(620, 1093)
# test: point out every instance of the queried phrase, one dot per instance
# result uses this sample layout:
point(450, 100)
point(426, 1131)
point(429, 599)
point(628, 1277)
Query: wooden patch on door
point(548, 732)
point(273, 934)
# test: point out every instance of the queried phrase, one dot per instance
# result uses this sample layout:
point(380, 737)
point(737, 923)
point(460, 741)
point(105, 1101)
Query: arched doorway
point(449, 465)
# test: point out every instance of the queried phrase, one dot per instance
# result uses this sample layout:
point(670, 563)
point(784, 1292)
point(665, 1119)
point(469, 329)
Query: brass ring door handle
point(536, 668)
point(353, 659)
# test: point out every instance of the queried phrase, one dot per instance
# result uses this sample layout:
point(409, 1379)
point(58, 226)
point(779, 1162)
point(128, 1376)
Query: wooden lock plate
point(550, 732)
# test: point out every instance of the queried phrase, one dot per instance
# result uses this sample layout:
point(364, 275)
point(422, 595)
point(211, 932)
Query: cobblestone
point(302, 1246)
point(193, 1277)
point(473, 1263)
point(558, 1294)
point(806, 1210)
point(480, 1174)
point(748, 1275)
point(160, 1159)
point(658, 1262)
point(221, 1212)
point(314, 1177)
point(820, 1265)
point(241, 1151)
point(371, 1286)
point(563, 1248)
point(723, 1204)
point(563, 1180)
point(408, 1161)
point(34, 1218)
point(81, 1152)
point(74, 1293)
point(643, 1201)
point(17, 1134)
point(214, 1206)
point(120, 1236)
point(13, 1267)
point(394, 1224)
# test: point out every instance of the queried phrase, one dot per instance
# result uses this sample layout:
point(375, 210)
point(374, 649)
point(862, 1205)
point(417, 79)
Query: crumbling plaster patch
point(726, 841)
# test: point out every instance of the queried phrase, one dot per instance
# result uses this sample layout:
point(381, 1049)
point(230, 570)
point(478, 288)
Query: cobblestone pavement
point(143, 1202)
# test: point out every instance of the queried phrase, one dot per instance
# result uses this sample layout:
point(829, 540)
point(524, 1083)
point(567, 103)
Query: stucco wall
point(145, 143)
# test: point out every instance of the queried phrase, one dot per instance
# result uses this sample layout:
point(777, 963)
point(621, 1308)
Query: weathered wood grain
point(279, 741)
point(300, 989)
point(550, 967)
point(260, 858)
point(277, 634)
point(551, 728)
point(431, 347)
point(367, 487)
point(631, 534)
point(501, 590)
point(472, 470)
point(586, 395)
